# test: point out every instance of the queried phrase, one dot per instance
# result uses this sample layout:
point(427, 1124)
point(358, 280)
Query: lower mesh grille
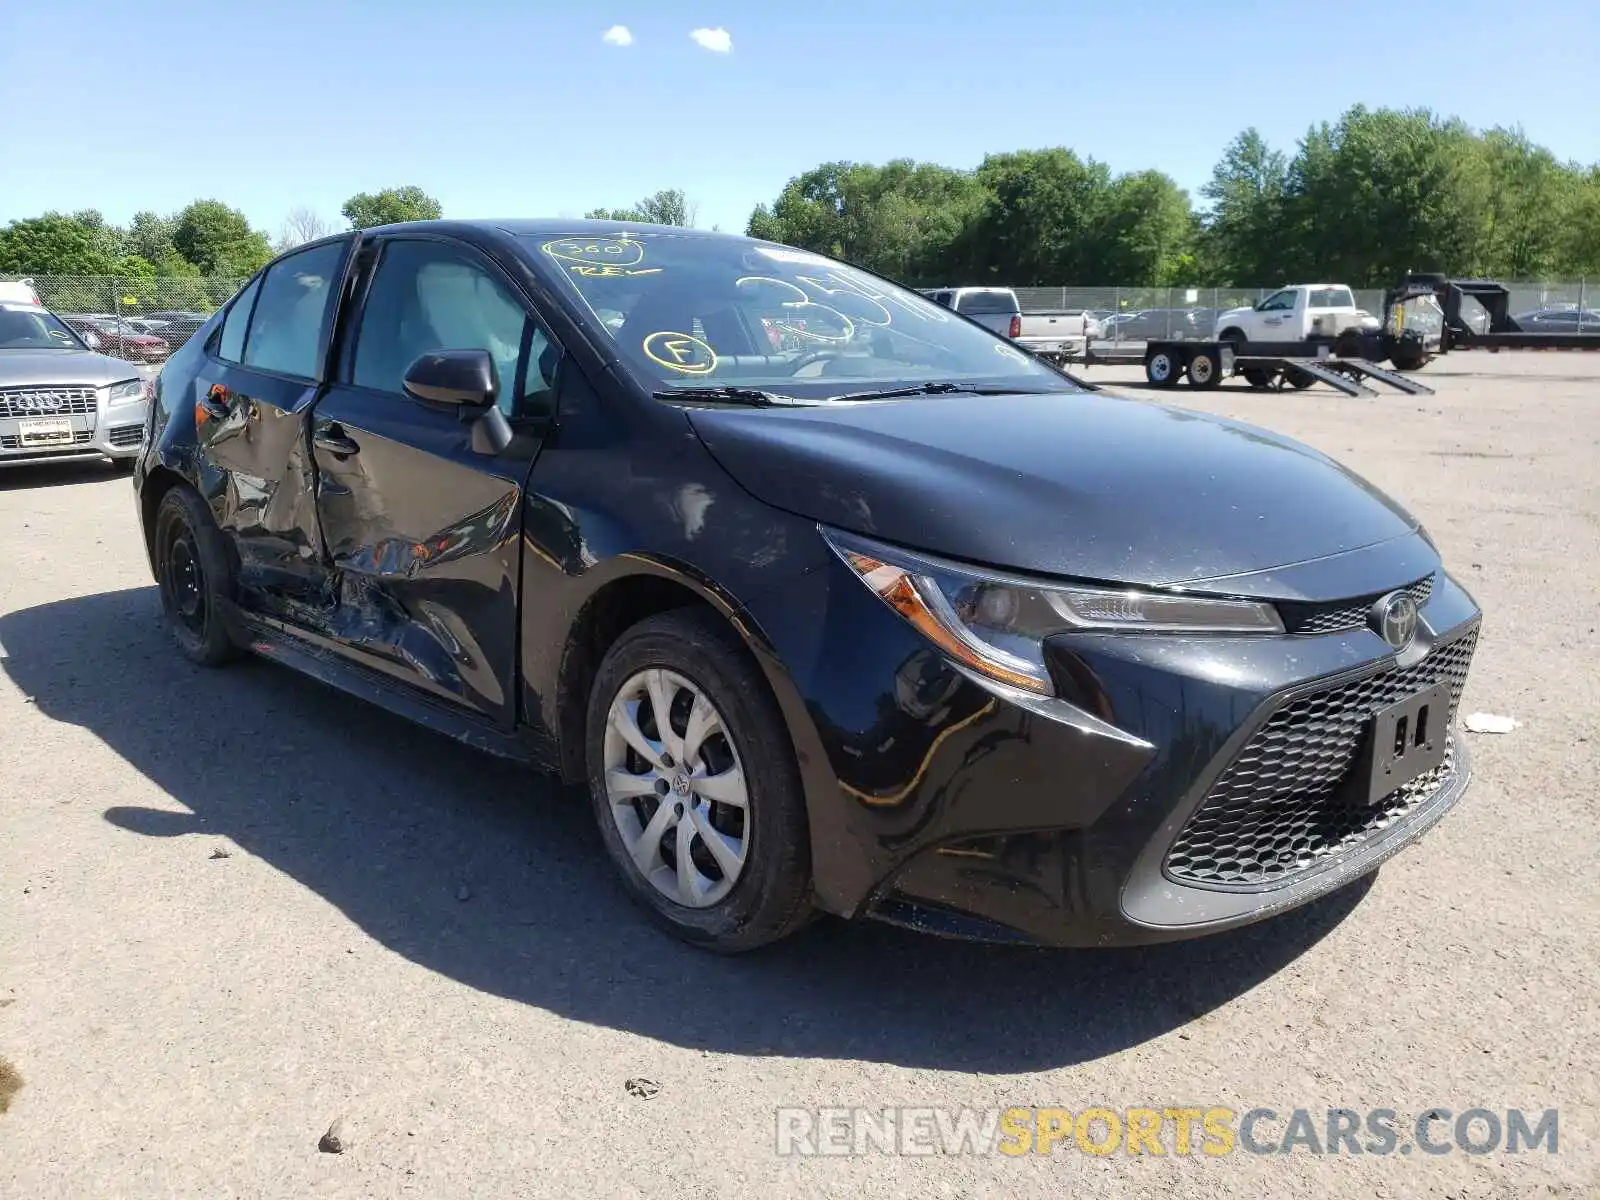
point(126, 435)
point(1279, 807)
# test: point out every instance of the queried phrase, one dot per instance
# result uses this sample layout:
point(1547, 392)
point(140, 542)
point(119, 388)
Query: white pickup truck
point(1293, 314)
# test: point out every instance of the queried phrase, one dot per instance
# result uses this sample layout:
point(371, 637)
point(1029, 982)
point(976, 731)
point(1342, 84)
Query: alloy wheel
point(676, 789)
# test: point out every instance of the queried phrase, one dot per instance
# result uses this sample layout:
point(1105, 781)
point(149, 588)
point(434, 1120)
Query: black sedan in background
point(1559, 320)
point(832, 599)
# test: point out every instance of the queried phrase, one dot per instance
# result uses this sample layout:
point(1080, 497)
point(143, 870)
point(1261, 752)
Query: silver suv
point(61, 400)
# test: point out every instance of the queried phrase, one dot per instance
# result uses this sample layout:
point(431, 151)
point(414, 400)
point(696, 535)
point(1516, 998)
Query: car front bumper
point(115, 432)
point(1176, 786)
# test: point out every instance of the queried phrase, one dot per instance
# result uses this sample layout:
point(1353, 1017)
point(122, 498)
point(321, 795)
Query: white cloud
point(618, 35)
point(718, 40)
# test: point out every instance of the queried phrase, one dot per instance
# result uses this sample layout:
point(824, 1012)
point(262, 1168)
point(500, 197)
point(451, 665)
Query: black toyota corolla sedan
point(832, 599)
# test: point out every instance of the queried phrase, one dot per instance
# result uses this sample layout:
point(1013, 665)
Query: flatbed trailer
point(1341, 363)
point(1491, 328)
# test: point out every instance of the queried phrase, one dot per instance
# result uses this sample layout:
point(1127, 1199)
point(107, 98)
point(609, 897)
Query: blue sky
point(505, 108)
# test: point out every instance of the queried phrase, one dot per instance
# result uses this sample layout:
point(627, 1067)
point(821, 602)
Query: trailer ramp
point(1383, 375)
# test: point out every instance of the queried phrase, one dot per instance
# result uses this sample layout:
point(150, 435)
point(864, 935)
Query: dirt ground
point(235, 906)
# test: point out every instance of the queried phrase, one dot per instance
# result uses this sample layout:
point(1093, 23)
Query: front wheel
point(694, 784)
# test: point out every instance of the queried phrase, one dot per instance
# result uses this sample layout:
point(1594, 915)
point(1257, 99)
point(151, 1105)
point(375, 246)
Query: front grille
point(46, 401)
point(13, 441)
point(1279, 807)
point(126, 435)
point(1343, 615)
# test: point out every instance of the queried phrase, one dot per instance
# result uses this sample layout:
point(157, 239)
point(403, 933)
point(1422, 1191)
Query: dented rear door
point(261, 376)
point(423, 532)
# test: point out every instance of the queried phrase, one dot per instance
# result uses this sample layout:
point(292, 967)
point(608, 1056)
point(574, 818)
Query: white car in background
point(19, 291)
point(1294, 314)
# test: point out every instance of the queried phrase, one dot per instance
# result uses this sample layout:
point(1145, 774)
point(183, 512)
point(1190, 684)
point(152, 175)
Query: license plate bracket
point(1403, 741)
point(44, 431)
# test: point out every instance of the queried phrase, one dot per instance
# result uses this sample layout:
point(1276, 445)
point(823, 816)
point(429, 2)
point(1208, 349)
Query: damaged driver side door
point(420, 518)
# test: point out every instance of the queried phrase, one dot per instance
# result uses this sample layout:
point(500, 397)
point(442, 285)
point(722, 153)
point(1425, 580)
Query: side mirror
point(461, 377)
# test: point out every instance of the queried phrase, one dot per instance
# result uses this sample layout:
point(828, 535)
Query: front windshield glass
point(696, 311)
point(33, 329)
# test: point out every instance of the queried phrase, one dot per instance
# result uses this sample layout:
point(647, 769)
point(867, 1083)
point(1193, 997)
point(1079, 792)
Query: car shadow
point(59, 474)
point(388, 823)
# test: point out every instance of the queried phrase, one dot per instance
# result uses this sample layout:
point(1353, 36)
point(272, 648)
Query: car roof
point(546, 227)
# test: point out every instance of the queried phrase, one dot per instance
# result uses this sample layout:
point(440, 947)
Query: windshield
point(704, 311)
point(34, 329)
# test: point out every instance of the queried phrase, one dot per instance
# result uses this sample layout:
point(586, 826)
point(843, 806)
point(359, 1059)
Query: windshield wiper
point(941, 387)
point(755, 397)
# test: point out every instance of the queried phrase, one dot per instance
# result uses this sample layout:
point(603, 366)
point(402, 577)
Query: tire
point(194, 571)
point(1205, 370)
point(1257, 377)
point(760, 885)
point(1297, 378)
point(1408, 362)
point(1162, 369)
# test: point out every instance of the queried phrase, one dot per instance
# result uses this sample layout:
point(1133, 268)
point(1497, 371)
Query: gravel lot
point(235, 906)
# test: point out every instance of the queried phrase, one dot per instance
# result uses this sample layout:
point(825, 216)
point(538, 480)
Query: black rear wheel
point(1297, 378)
point(195, 573)
point(1257, 377)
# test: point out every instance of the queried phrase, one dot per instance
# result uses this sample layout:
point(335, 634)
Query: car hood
point(25, 368)
point(1085, 485)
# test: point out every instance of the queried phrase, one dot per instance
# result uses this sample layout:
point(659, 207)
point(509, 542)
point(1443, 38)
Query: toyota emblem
point(1394, 619)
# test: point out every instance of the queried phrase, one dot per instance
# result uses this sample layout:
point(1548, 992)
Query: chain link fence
point(1137, 314)
point(141, 319)
point(146, 319)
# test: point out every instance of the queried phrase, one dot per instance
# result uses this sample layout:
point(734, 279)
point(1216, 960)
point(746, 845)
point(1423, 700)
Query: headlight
point(996, 624)
point(126, 393)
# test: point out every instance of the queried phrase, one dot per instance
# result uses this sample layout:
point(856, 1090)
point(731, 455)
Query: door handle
point(335, 442)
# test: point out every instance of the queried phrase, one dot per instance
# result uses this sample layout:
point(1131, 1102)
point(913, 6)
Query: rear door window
point(286, 329)
point(231, 346)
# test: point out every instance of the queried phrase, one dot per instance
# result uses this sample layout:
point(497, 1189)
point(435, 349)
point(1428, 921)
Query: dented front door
point(424, 538)
point(422, 530)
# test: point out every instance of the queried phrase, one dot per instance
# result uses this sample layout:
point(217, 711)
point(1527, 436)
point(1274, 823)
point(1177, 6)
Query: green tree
point(150, 237)
point(1146, 230)
point(1382, 192)
point(903, 219)
point(1040, 220)
point(55, 244)
point(218, 240)
point(390, 206)
point(667, 207)
point(1243, 240)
